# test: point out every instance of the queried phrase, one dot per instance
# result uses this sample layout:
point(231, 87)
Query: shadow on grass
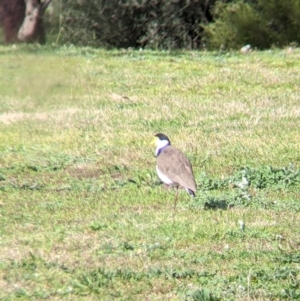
point(216, 204)
point(210, 203)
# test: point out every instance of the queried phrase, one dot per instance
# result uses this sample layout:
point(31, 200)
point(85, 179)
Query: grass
point(82, 213)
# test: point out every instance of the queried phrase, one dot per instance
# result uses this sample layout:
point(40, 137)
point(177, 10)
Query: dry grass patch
point(84, 171)
point(57, 116)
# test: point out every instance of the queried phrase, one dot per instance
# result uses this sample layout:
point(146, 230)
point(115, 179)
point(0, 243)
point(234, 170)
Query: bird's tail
point(191, 192)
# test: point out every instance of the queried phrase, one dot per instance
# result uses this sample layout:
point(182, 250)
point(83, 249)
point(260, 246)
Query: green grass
point(82, 213)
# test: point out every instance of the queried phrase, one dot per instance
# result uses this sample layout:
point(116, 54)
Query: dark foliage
point(132, 23)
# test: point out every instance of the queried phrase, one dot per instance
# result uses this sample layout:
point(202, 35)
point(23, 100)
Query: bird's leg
point(166, 186)
point(176, 197)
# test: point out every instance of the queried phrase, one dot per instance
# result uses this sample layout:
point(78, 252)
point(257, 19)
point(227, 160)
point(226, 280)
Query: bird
point(173, 167)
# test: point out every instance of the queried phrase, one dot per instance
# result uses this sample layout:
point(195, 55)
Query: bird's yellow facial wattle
point(155, 141)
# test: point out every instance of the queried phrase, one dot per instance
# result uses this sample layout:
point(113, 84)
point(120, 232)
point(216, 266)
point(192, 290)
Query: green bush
point(261, 23)
point(283, 19)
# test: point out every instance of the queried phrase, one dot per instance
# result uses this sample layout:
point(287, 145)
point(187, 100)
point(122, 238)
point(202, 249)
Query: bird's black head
point(163, 137)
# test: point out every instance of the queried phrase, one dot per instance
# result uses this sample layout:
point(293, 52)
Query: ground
point(83, 215)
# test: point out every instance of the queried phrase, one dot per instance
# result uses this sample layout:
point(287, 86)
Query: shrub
point(261, 23)
point(133, 23)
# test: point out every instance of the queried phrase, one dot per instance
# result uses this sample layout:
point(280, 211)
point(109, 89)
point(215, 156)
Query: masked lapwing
point(173, 167)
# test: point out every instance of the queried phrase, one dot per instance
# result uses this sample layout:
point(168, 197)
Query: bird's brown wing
point(176, 166)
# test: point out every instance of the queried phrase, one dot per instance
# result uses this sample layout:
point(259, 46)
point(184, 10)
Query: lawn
point(83, 215)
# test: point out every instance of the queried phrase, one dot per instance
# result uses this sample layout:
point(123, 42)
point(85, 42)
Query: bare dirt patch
point(121, 98)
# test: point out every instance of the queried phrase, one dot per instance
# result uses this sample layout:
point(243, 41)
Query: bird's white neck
point(160, 145)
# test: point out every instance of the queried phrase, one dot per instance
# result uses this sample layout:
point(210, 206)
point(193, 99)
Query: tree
point(23, 20)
